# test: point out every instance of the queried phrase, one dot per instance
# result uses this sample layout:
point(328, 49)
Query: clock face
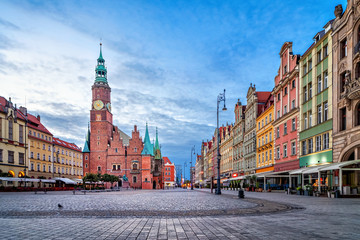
point(108, 106)
point(98, 104)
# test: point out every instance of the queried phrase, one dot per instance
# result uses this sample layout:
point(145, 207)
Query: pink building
point(286, 110)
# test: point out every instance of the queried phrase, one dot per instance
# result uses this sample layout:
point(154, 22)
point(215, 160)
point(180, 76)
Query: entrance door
point(154, 184)
point(120, 183)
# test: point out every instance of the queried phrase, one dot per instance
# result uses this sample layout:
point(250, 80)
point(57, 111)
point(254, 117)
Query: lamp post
point(191, 174)
point(184, 171)
point(220, 98)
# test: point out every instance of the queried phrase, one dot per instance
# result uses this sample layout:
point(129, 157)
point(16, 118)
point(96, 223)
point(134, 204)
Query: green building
point(315, 134)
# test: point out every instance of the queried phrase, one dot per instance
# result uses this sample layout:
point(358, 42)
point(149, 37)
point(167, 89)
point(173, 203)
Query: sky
point(167, 61)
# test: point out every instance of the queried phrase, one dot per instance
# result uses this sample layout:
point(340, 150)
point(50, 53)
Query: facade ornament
point(338, 11)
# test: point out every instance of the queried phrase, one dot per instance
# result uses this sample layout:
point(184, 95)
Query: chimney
point(23, 110)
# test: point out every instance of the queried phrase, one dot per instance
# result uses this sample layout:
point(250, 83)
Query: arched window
point(357, 115)
point(357, 70)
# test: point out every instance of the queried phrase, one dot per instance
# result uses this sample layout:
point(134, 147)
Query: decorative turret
point(148, 147)
point(100, 70)
point(87, 142)
point(157, 150)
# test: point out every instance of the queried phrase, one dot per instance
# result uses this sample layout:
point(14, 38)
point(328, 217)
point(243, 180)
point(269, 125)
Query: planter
point(307, 193)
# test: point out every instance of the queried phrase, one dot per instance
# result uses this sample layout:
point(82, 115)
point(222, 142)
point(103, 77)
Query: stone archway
point(350, 152)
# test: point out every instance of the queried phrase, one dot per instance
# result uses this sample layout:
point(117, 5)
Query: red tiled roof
point(34, 123)
point(63, 143)
point(262, 96)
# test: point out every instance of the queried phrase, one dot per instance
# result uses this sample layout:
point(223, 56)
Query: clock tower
point(100, 117)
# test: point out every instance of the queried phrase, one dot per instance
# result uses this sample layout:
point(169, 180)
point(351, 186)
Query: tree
point(113, 179)
point(90, 177)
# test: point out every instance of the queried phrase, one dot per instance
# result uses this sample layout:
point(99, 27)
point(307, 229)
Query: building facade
point(316, 101)
point(109, 150)
point(169, 173)
point(265, 137)
point(286, 109)
point(346, 83)
point(226, 152)
point(254, 102)
point(238, 138)
point(13, 141)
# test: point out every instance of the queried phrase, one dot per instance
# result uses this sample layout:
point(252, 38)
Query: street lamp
point(184, 171)
point(220, 98)
point(191, 174)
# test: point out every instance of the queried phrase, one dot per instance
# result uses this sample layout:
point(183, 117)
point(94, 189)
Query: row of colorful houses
point(306, 130)
point(28, 148)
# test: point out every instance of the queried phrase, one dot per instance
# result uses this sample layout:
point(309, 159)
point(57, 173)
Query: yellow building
point(67, 160)
point(265, 138)
point(51, 157)
point(12, 141)
point(40, 151)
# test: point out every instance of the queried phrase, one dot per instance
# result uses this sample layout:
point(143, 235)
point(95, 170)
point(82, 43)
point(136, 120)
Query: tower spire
point(148, 147)
point(100, 70)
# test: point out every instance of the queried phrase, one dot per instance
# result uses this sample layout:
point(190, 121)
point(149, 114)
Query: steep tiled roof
point(167, 160)
point(35, 123)
point(63, 143)
point(262, 96)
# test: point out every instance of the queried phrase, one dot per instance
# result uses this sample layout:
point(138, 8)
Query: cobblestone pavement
point(282, 217)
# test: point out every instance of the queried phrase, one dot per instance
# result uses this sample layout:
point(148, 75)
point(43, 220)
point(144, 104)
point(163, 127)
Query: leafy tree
point(90, 177)
point(113, 179)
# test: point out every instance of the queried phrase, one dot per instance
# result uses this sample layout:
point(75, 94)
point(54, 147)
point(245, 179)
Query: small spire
point(100, 51)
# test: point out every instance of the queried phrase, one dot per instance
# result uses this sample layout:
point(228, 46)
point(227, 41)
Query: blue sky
point(167, 60)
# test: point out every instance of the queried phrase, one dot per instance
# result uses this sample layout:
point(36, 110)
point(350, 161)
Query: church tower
point(100, 118)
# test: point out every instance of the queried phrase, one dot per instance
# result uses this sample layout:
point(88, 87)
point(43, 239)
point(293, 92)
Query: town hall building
point(107, 149)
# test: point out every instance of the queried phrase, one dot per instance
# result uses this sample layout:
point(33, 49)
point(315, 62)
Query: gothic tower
point(100, 118)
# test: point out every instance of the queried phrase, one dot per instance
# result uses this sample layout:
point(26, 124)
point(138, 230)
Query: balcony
point(135, 171)
point(352, 89)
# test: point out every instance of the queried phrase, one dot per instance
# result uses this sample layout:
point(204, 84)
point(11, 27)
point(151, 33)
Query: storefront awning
point(66, 180)
point(339, 165)
point(20, 179)
point(237, 178)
